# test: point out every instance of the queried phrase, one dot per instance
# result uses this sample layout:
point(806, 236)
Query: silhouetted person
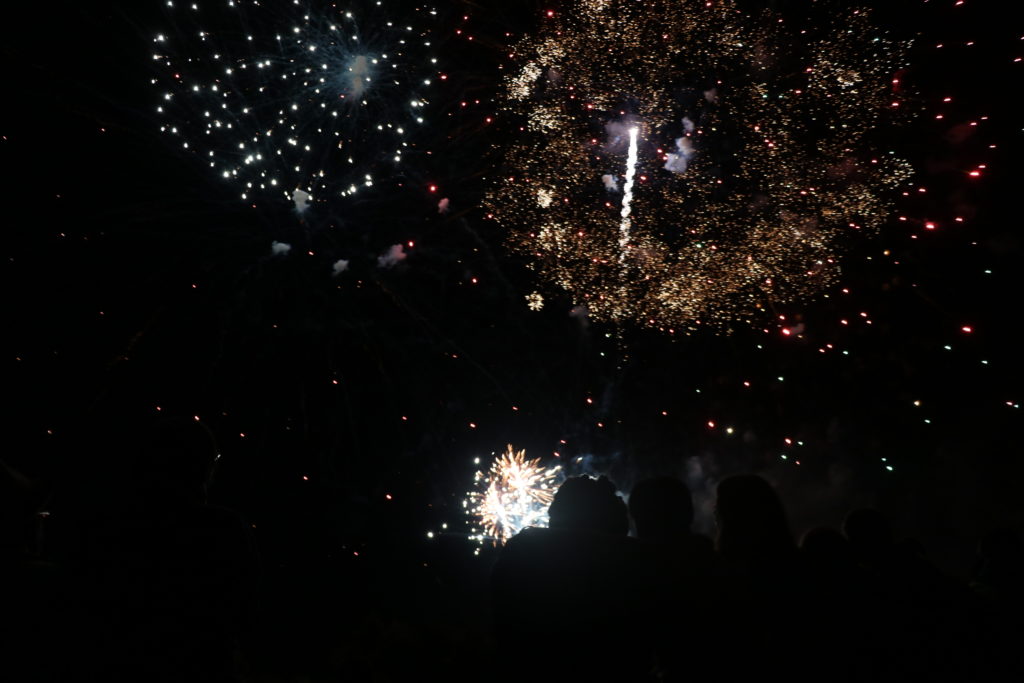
point(680, 578)
point(165, 580)
point(753, 530)
point(870, 535)
point(927, 624)
point(662, 509)
point(563, 597)
point(829, 558)
point(843, 606)
point(587, 505)
point(827, 548)
point(767, 599)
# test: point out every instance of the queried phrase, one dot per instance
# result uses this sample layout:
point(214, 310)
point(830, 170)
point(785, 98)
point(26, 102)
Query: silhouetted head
point(869, 532)
point(752, 523)
point(587, 504)
point(662, 508)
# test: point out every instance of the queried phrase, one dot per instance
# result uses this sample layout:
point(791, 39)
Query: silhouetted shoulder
point(573, 586)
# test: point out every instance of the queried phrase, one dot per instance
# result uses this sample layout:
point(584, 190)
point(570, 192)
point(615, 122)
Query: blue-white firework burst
point(297, 100)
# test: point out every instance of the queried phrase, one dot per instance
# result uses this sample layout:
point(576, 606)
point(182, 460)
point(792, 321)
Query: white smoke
point(358, 76)
point(301, 199)
point(677, 162)
point(617, 140)
point(611, 183)
point(279, 248)
point(339, 267)
point(395, 255)
point(581, 314)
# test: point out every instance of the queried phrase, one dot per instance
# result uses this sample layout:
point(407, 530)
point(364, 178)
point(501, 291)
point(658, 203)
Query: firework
point(627, 195)
point(684, 164)
point(513, 494)
point(300, 100)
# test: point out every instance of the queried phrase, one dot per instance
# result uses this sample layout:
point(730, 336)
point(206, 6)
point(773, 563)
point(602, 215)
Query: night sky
point(349, 409)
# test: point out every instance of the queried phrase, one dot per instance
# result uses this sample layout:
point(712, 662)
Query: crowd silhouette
point(139, 578)
point(670, 605)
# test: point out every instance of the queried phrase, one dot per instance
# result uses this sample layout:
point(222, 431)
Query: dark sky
point(136, 279)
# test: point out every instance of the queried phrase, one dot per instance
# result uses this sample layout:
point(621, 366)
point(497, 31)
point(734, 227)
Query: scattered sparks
point(746, 146)
point(297, 97)
point(514, 493)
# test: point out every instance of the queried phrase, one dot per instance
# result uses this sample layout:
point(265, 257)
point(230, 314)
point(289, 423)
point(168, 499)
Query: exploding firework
point(513, 494)
point(684, 164)
point(301, 100)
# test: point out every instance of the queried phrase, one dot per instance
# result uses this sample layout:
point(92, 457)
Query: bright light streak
point(627, 195)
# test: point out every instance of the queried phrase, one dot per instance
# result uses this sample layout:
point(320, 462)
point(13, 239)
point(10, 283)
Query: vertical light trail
point(627, 195)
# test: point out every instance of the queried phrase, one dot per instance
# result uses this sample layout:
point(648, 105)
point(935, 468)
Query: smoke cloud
point(677, 162)
point(395, 255)
point(301, 199)
point(358, 76)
